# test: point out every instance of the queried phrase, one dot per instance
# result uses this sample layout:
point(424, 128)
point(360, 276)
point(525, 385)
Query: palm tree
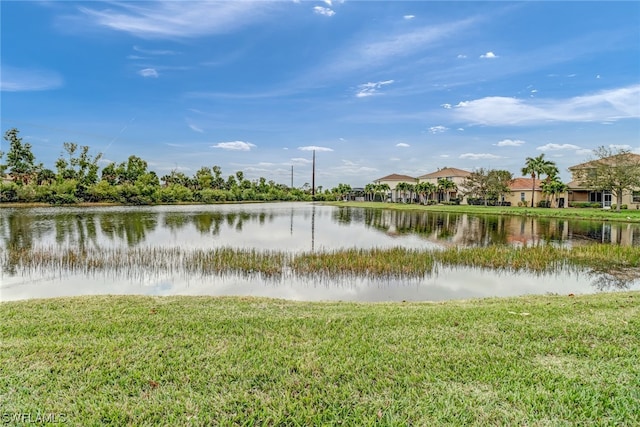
point(402, 187)
point(446, 186)
point(553, 187)
point(382, 189)
point(370, 190)
point(537, 166)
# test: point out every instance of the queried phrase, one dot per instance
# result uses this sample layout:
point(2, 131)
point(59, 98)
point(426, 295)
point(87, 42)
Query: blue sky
point(375, 87)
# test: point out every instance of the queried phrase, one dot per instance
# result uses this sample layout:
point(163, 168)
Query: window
point(595, 197)
point(636, 197)
point(522, 199)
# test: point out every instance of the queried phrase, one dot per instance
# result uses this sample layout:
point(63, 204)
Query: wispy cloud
point(438, 129)
point(14, 79)
point(314, 148)
point(370, 89)
point(402, 145)
point(409, 17)
point(557, 147)
point(324, 11)
point(149, 72)
point(160, 52)
point(478, 156)
point(378, 50)
point(195, 128)
point(608, 105)
point(300, 161)
point(172, 19)
point(234, 146)
point(510, 143)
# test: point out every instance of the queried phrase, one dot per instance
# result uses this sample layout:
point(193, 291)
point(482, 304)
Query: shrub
point(622, 207)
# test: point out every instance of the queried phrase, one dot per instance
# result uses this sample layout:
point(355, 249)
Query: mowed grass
point(136, 361)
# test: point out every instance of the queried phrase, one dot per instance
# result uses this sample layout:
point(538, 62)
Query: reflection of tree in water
point(76, 229)
point(619, 279)
point(210, 222)
point(131, 226)
point(342, 215)
point(19, 231)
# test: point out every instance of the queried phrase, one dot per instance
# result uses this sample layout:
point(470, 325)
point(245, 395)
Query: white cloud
point(171, 19)
point(477, 156)
point(300, 161)
point(149, 72)
point(584, 151)
point(489, 55)
point(408, 17)
point(369, 89)
point(446, 106)
point(234, 146)
point(314, 148)
point(402, 145)
point(437, 129)
point(608, 105)
point(14, 79)
point(510, 143)
point(557, 147)
point(324, 11)
point(461, 56)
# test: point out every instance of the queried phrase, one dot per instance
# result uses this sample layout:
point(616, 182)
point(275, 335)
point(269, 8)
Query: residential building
point(522, 190)
point(578, 192)
point(392, 181)
point(457, 176)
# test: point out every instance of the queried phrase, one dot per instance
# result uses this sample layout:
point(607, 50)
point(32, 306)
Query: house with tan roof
point(579, 192)
point(454, 175)
point(392, 181)
point(522, 189)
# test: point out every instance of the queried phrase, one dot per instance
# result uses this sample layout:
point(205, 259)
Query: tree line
point(78, 178)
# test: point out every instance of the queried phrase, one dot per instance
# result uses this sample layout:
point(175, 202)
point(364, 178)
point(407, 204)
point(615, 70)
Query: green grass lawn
point(132, 360)
point(626, 215)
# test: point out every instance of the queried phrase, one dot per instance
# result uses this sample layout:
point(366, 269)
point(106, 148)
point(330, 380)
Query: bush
point(9, 192)
point(544, 204)
point(622, 207)
point(585, 205)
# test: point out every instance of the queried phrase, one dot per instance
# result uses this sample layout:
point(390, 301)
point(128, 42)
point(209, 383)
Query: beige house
point(580, 193)
point(392, 181)
point(521, 191)
point(457, 176)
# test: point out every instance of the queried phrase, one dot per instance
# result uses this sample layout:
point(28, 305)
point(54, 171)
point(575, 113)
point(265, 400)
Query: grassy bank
point(627, 215)
point(548, 360)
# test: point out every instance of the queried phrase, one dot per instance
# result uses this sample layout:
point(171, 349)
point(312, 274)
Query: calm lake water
point(295, 228)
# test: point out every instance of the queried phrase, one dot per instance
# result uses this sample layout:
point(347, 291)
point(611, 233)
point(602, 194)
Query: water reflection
point(290, 227)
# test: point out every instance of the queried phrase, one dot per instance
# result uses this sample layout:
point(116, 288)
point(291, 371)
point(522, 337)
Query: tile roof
point(524, 184)
point(396, 177)
point(606, 160)
point(446, 172)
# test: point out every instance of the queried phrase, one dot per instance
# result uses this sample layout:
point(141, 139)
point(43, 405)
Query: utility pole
point(292, 177)
point(313, 175)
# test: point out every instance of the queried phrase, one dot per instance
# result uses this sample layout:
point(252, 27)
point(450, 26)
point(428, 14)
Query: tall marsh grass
point(394, 262)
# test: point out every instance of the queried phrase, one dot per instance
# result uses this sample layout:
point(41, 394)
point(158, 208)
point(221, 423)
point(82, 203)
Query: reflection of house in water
point(482, 230)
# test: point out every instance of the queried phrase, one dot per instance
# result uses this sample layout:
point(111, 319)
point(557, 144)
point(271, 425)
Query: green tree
point(20, 158)
point(446, 186)
point(553, 187)
point(536, 166)
point(498, 183)
point(613, 170)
